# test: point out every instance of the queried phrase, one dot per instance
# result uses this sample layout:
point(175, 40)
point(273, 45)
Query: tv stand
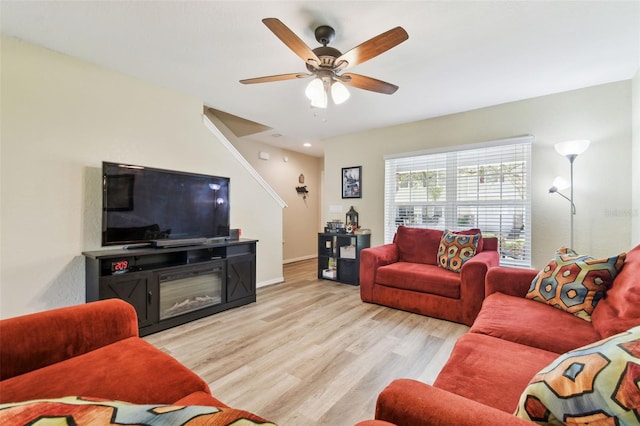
point(137, 246)
point(184, 242)
point(173, 285)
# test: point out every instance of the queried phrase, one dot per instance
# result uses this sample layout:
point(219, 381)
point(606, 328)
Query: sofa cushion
point(87, 410)
point(575, 283)
point(420, 277)
point(420, 245)
point(491, 371)
point(455, 249)
point(417, 245)
point(533, 324)
point(595, 384)
point(620, 310)
point(129, 370)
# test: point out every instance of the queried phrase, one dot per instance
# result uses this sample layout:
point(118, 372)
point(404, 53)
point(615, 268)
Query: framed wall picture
point(352, 182)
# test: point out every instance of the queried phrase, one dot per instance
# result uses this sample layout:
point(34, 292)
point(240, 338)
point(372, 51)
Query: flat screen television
point(147, 205)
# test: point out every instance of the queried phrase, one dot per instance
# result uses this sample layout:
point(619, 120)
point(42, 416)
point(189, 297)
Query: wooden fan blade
point(368, 83)
point(279, 77)
point(372, 47)
point(292, 41)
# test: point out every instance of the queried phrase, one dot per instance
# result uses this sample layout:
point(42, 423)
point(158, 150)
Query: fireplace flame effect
point(189, 305)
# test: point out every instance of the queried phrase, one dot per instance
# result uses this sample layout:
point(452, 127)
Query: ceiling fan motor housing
point(325, 34)
point(327, 56)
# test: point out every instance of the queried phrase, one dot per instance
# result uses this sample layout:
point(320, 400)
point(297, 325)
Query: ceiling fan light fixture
point(339, 93)
point(317, 93)
point(314, 90)
point(320, 101)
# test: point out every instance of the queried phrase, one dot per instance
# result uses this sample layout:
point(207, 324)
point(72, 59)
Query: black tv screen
point(143, 204)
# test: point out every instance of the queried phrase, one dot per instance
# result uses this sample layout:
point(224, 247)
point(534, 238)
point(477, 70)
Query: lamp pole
point(570, 149)
point(572, 157)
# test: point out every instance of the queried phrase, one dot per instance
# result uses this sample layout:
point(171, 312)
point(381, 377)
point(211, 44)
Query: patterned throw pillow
point(455, 249)
point(84, 411)
point(575, 283)
point(595, 384)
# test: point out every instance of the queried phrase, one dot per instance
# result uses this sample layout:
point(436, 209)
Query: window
point(484, 186)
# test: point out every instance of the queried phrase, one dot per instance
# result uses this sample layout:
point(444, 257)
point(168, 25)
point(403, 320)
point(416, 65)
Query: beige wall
point(635, 178)
point(61, 117)
point(301, 217)
point(602, 190)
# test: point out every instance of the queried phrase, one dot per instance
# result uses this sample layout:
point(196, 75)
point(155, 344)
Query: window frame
point(500, 202)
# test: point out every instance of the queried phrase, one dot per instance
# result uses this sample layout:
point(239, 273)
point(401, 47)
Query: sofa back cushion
point(620, 309)
point(420, 245)
point(417, 245)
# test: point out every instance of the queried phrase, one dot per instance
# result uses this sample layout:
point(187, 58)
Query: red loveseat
point(93, 350)
point(512, 339)
point(405, 275)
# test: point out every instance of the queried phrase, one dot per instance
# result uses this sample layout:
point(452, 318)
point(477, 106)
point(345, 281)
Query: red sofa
point(405, 275)
point(511, 340)
point(92, 350)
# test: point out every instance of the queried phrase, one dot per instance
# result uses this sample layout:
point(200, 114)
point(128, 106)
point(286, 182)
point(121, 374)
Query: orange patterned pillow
point(455, 249)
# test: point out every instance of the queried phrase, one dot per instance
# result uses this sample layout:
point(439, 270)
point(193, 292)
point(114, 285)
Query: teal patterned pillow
point(575, 283)
point(75, 410)
point(595, 385)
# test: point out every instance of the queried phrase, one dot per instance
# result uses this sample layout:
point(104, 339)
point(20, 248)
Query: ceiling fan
point(327, 63)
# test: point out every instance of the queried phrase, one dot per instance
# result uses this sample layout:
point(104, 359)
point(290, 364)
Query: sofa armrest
point(409, 402)
point(480, 264)
point(472, 278)
point(34, 341)
point(511, 281)
point(490, 244)
point(370, 260)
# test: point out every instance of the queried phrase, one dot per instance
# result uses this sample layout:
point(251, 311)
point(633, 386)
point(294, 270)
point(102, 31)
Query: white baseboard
point(270, 282)
point(281, 279)
point(298, 259)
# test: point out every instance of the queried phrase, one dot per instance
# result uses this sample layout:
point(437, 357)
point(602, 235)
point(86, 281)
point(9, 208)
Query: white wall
point(61, 117)
point(301, 218)
point(635, 178)
point(602, 190)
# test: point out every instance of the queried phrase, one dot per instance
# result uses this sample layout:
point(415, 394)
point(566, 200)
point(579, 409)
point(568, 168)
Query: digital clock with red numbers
point(119, 266)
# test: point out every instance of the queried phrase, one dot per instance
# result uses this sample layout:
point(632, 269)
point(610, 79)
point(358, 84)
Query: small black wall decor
point(352, 182)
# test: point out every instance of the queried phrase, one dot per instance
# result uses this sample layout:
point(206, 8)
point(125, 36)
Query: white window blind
point(486, 186)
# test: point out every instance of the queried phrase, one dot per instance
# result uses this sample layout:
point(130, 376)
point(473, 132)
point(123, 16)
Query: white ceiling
point(460, 55)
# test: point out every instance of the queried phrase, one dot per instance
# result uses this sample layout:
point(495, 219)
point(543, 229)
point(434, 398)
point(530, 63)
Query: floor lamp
point(571, 150)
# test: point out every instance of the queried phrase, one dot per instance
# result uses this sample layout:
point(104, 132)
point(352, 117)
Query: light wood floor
point(309, 352)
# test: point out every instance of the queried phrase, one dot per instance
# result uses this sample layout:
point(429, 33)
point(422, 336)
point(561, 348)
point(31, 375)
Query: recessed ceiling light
point(276, 135)
point(307, 144)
